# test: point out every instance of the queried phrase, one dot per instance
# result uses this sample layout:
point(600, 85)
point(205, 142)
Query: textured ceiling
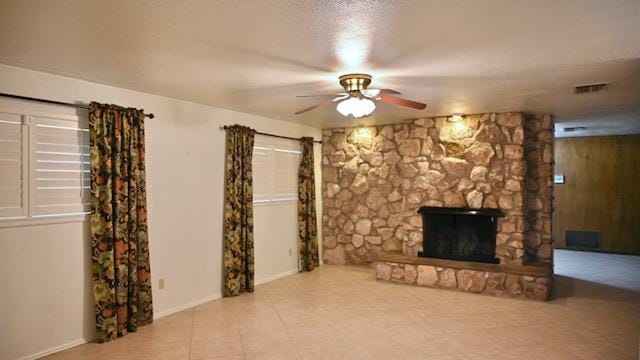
point(256, 56)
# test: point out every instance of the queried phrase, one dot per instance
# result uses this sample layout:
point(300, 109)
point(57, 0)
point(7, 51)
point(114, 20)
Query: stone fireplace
point(376, 178)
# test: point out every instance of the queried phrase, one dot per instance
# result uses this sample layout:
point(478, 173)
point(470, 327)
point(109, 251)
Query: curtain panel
point(307, 225)
point(238, 262)
point(119, 242)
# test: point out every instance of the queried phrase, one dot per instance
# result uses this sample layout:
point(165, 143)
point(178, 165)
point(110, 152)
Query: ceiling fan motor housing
point(354, 83)
point(359, 99)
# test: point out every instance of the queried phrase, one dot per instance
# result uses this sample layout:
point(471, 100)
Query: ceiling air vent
point(592, 88)
point(575, 128)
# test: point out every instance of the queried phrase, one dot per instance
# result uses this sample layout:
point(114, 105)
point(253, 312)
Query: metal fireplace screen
point(460, 234)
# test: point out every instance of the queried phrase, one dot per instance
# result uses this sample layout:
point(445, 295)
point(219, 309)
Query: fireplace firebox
point(460, 234)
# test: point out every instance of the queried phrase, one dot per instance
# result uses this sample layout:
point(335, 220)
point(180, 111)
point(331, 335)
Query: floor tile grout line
point(244, 354)
point(285, 326)
point(193, 320)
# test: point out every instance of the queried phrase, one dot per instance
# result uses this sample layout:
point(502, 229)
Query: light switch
point(558, 179)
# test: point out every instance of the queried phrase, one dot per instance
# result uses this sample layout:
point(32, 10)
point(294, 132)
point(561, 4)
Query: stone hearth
point(531, 281)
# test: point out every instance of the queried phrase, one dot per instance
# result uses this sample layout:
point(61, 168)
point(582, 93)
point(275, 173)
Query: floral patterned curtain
point(238, 212)
point(307, 226)
point(119, 243)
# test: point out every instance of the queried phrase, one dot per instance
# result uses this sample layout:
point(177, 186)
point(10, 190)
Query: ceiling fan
point(357, 100)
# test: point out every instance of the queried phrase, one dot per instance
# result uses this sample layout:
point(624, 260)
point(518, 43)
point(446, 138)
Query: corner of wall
point(539, 138)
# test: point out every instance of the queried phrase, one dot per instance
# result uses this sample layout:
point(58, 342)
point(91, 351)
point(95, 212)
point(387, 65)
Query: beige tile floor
point(344, 313)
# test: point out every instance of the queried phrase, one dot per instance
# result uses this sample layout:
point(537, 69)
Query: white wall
point(45, 299)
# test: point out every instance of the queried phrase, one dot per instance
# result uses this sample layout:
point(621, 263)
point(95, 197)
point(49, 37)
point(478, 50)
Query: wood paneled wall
point(602, 190)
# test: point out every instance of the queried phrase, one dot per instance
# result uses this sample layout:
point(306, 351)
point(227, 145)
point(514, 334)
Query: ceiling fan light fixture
point(356, 107)
point(357, 99)
point(456, 117)
point(371, 93)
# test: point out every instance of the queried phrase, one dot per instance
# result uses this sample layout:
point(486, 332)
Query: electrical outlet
point(290, 252)
point(161, 284)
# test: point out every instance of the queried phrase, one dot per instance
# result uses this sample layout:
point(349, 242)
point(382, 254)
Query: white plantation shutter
point(13, 172)
point(44, 162)
point(261, 172)
point(60, 181)
point(275, 171)
point(285, 174)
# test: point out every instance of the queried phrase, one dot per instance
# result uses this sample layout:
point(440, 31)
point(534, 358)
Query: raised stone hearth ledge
point(532, 281)
point(538, 269)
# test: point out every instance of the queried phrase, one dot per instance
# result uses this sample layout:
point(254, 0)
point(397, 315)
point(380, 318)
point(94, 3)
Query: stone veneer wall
point(375, 178)
point(538, 153)
point(476, 281)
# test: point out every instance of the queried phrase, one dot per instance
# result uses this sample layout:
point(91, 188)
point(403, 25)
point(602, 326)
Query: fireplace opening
point(460, 234)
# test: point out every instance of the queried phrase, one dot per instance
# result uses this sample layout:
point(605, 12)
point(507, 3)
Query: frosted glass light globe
point(356, 107)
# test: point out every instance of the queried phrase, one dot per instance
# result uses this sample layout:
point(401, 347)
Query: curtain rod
point(47, 101)
point(272, 135)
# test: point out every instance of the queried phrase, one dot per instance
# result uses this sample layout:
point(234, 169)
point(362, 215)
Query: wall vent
point(586, 239)
point(591, 88)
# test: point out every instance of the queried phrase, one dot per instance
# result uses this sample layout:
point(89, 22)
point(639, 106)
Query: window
point(275, 170)
point(44, 165)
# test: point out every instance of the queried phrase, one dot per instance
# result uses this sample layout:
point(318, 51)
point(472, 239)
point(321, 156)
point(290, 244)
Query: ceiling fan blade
point(333, 98)
point(390, 99)
point(386, 91)
point(374, 93)
point(326, 102)
point(321, 95)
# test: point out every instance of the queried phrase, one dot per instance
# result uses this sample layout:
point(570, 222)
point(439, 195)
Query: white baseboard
point(275, 277)
point(57, 348)
point(77, 342)
point(187, 306)
point(159, 315)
